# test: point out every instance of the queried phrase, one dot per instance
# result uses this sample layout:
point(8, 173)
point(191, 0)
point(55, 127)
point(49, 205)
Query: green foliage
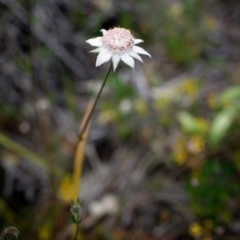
point(191, 124)
point(45, 53)
point(231, 95)
point(212, 183)
point(122, 97)
point(184, 35)
point(23, 63)
point(215, 186)
point(119, 89)
point(220, 125)
point(227, 115)
point(78, 15)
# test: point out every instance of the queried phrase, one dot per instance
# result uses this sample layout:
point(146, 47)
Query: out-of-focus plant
point(120, 108)
point(227, 115)
point(76, 215)
point(212, 188)
point(184, 34)
point(192, 125)
point(201, 230)
point(9, 233)
point(212, 181)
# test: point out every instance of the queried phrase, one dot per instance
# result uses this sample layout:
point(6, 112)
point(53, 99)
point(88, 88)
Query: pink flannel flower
point(117, 44)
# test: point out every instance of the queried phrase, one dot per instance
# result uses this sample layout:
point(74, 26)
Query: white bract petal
point(128, 60)
point(137, 41)
point(115, 60)
point(103, 31)
point(103, 56)
point(140, 50)
point(96, 50)
point(117, 44)
point(136, 56)
point(96, 42)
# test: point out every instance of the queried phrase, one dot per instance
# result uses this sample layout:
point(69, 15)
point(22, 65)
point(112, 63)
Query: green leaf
point(191, 124)
point(220, 125)
point(230, 94)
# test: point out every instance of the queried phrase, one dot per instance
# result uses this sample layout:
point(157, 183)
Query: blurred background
point(162, 159)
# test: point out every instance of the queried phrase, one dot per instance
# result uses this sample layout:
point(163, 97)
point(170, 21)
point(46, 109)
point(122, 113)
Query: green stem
point(83, 129)
point(76, 233)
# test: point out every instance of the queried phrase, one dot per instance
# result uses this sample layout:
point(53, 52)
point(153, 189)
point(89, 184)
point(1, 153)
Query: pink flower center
point(118, 39)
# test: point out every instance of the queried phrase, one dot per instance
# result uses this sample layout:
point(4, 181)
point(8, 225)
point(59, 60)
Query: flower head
point(76, 211)
point(117, 44)
point(11, 233)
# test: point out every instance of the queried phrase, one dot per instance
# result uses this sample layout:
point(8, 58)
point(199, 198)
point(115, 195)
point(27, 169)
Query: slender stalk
point(77, 231)
point(83, 129)
point(77, 169)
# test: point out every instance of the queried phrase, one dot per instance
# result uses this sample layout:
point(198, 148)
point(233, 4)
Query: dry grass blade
point(79, 153)
point(70, 185)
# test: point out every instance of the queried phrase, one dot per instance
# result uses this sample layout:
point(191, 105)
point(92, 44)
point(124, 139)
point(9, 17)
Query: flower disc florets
point(117, 44)
point(118, 39)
